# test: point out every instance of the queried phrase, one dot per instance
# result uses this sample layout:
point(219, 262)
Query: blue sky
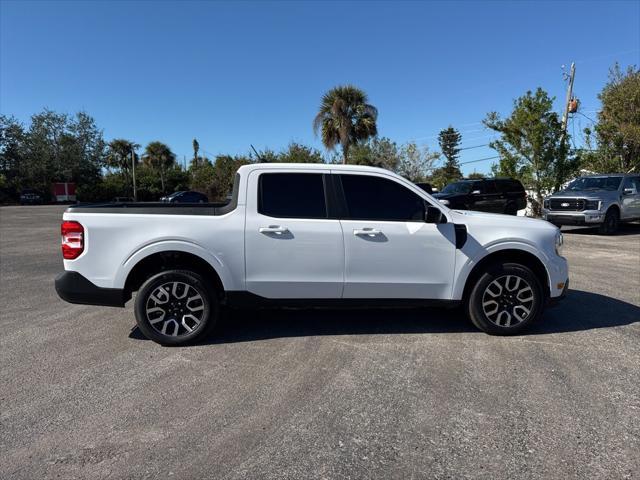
point(236, 73)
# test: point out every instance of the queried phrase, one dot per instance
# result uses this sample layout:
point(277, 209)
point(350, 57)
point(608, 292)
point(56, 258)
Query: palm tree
point(119, 154)
point(345, 118)
point(159, 157)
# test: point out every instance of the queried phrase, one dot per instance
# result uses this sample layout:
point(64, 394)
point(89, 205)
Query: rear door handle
point(369, 232)
point(277, 229)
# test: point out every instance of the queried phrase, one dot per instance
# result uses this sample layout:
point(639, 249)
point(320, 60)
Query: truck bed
point(158, 208)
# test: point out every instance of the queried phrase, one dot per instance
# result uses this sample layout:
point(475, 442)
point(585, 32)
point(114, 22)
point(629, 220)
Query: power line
point(476, 146)
point(588, 118)
point(480, 160)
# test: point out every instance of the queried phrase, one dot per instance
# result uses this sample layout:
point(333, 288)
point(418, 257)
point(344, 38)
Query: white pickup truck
point(309, 235)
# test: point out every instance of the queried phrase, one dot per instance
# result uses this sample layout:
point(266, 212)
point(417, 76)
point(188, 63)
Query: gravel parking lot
point(319, 394)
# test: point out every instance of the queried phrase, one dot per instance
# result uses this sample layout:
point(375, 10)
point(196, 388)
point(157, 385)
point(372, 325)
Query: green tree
point(196, 148)
point(12, 138)
point(345, 118)
point(618, 127)
point(159, 158)
point(224, 173)
point(119, 153)
point(416, 163)
point(476, 175)
point(297, 153)
point(202, 175)
point(60, 147)
point(530, 144)
point(449, 140)
point(376, 152)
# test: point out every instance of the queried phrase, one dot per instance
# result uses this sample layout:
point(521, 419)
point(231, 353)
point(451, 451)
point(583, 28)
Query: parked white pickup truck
point(309, 235)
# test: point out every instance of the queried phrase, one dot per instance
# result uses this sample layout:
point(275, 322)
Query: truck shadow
point(579, 311)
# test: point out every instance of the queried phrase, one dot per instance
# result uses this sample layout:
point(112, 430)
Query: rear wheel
point(505, 299)
point(511, 209)
point(611, 221)
point(175, 307)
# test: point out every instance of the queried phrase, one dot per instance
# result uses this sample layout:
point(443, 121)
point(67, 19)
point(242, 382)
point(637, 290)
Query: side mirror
point(433, 215)
point(475, 192)
point(627, 191)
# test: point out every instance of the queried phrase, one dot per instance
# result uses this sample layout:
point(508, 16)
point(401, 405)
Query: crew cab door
point(390, 252)
point(292, 248)
point(630, 198)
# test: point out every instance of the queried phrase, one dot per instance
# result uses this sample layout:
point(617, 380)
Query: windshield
point(457, 187)
point(594, 183)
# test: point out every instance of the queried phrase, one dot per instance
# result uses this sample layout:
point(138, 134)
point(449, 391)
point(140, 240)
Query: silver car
point(596, 200)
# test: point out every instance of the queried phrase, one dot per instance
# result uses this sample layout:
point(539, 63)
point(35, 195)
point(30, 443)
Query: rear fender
point(177, 246)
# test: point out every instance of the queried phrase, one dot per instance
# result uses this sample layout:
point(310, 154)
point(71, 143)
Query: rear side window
point(490, 186)
point(292, 195)
point(509, 186)
point(375, 198)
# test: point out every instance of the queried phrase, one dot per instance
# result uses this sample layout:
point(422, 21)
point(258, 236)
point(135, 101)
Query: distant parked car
point(426, 187)
point(597, 200)
point(123, 200)
point(498, 195)
point(186, 197)
point(30, 196)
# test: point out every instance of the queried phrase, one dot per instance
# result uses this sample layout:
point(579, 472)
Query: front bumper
point(553, 301)
point(72, 287)
point(587, 217)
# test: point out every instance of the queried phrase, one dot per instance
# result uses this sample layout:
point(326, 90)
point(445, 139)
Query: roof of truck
point(311, 166)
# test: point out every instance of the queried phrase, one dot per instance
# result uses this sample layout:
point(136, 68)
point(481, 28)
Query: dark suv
point(497, 195)
point(185, 197)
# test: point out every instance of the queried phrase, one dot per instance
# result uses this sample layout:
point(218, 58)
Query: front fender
point(469, 257)
point(175, 245)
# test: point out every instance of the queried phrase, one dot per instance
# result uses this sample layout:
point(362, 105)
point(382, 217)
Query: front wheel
point(175, 307)
point(505, 299)
point(611, 221)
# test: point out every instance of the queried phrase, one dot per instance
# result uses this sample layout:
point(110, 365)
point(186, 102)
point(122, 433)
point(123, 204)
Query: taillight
point(72, 239)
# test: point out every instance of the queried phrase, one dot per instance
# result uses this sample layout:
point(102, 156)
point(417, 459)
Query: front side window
point(376, 198)
point(631, 183)
point(292, 195)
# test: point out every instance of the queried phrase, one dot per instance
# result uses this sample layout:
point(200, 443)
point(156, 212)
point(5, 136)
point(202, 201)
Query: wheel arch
point(508, 255)
point(613, 206)
point(171, 260)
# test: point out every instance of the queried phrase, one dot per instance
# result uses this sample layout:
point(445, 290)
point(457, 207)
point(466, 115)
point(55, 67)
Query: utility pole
point(561, 161)
point(133, 170)
point(565, 116)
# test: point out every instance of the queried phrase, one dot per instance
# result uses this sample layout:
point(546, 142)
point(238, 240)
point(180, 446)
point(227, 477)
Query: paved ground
point(321, 394)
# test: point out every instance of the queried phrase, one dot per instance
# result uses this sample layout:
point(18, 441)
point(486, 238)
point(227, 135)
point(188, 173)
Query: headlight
point(545, 204)
point(592, 205)
point(559, 243)
point(444, 202)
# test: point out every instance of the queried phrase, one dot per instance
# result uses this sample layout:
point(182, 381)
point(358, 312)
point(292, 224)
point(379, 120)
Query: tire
point(511, 209)
point(176, 307)
point(611, 222)
point(513, 289)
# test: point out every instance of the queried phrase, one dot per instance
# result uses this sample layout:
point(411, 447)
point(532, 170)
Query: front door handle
point(369, 232)
point(277, 229)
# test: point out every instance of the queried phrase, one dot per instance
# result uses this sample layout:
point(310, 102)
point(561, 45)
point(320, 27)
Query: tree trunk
point(536, 205)
point(345, 153)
